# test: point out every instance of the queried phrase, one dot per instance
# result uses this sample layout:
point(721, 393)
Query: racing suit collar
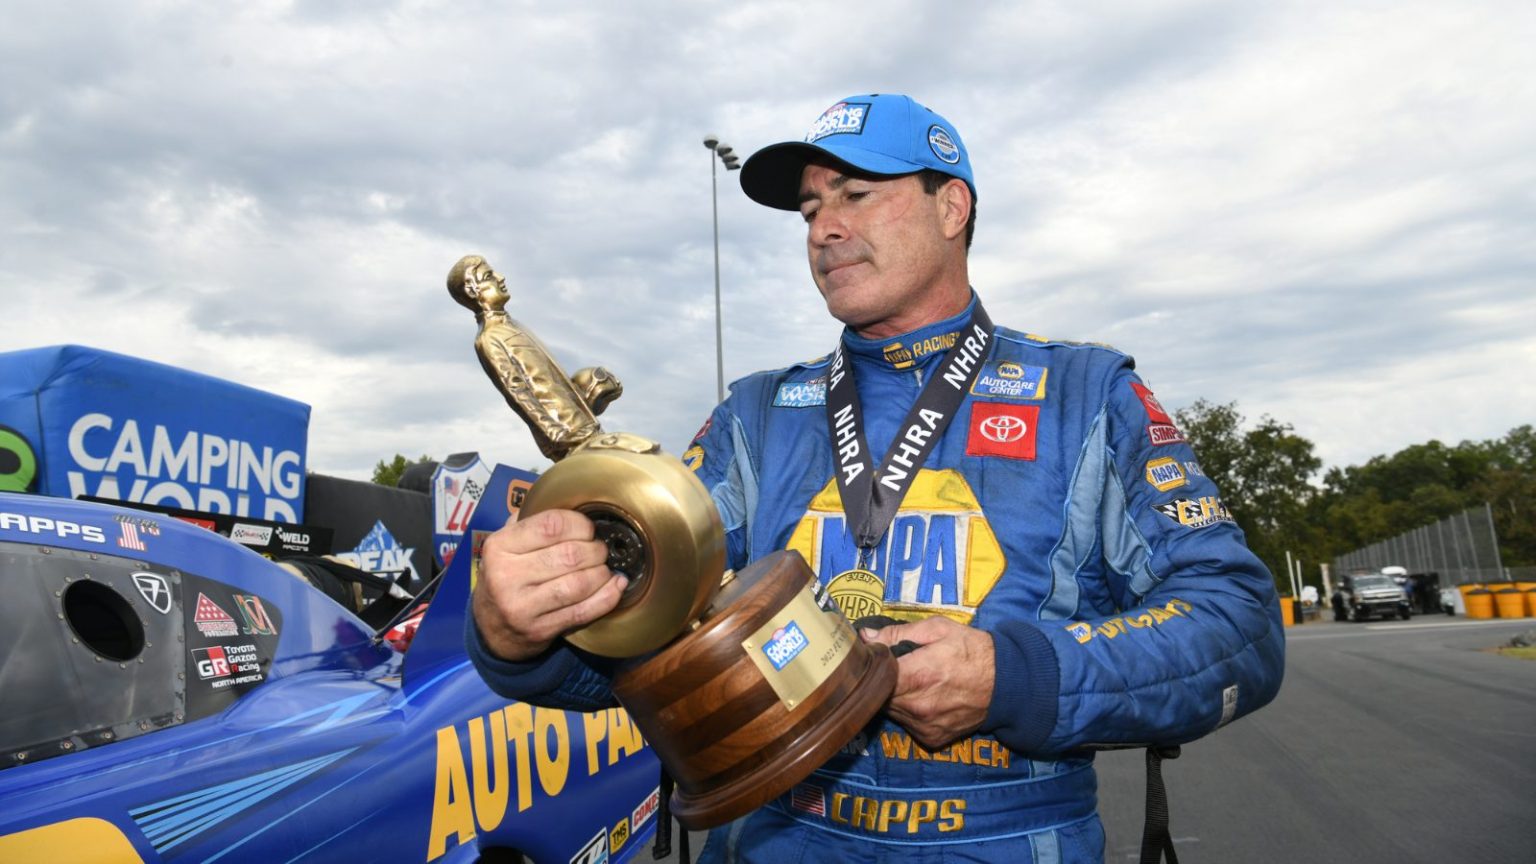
point(914, 349)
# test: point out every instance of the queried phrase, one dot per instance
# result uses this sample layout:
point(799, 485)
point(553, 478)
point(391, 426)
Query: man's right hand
point(542, 577)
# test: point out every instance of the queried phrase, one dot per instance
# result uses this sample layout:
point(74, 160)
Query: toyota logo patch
point(1004, 429)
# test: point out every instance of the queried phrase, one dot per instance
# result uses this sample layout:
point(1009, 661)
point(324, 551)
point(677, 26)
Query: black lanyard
point(871, 500)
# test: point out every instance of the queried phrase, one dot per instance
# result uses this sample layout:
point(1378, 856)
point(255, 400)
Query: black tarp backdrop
point(352, 509)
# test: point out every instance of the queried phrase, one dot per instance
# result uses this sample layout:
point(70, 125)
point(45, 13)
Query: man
point(1023, 505)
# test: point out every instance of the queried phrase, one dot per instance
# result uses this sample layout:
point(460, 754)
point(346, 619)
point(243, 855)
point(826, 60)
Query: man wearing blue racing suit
point(1023, 508)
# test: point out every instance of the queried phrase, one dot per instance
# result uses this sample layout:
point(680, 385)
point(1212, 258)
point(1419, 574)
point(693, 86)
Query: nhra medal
point(858, 593)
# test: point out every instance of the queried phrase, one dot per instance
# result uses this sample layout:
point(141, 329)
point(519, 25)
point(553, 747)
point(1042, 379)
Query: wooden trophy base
point(764, 690)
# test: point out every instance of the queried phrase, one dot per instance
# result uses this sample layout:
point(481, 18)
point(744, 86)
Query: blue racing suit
point(1062, 512)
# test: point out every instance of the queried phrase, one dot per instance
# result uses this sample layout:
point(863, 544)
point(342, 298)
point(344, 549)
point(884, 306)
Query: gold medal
point(857, 593)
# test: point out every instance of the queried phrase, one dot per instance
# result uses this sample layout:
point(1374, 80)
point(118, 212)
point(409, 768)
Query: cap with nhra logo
point(878, 133)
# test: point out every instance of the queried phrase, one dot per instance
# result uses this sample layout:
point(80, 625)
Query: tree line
point(1268, 477)
point(1268, 480)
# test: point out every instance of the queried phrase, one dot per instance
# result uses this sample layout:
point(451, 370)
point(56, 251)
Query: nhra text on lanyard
point(870, 501)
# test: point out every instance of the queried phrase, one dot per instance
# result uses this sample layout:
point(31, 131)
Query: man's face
point(876, 246)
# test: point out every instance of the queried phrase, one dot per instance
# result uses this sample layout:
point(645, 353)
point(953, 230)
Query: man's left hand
point(944, 686)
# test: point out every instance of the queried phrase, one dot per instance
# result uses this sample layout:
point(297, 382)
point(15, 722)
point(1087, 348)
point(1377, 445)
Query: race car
point(169, 695)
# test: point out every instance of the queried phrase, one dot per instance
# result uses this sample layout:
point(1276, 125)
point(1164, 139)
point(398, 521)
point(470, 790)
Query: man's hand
point(541, 577)
point(943, 687)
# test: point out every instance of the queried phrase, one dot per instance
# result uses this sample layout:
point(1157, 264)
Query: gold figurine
point(560, 411)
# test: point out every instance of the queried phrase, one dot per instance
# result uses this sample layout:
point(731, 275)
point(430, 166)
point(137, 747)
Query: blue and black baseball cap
point(879, 133)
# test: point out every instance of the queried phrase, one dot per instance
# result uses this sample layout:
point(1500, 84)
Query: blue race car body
point(169, 695)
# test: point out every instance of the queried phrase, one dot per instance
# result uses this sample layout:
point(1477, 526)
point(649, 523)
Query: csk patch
point(801, 394)
point(693, 457)
point(1202, 513)
point(1166, 474)
point(1005, 379)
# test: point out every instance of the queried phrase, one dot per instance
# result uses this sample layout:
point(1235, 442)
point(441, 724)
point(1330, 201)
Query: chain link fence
point(1462, 548)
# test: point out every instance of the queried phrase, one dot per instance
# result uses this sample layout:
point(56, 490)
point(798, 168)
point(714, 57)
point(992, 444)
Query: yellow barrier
point(1479, 603)
point(1530, 603)
point(1510, 603)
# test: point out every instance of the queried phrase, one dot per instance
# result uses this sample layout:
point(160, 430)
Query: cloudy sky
point(1325, 211)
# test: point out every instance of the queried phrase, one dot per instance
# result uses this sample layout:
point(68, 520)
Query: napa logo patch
point(801, 394)
point(940, 556)
point(942, 145)
point(1005, 379)
point(785, 645)
point(1166, 474)
point(844, 118)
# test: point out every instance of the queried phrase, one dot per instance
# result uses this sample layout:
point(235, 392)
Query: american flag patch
point(808, 799)
point(128, 537)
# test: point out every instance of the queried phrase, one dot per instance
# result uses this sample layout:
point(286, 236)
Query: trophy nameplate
point(752, 684)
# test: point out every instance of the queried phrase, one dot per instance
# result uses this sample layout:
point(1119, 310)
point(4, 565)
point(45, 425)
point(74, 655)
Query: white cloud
point(1321, 211)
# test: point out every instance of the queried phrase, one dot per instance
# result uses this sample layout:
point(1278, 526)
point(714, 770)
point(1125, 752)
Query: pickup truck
point(1361, 596)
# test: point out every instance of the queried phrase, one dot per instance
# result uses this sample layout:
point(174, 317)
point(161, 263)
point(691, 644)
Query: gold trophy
point(742, 683)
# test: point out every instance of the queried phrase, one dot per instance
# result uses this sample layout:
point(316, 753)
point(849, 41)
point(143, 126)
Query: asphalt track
point(1391, 742)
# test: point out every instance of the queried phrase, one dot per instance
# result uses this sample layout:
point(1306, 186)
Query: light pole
point(730, 161)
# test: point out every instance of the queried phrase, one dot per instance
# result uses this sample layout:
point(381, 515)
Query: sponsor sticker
point(250, 535)
point(297, 541)
point(211, 620)
point(844, 118)
point(785, 645)
point(211, 662)
point(1196, 513)
point(155, 590)
point(595, 851)
point(1162, 433)
point(1148, 401)
point(1000, 429)
point(379, 552)
point(1005, 379)
point(645, 810)
point(801, 394)
point(1082, 631)
point(56, 527)
point(618, 836)
point(257, 622)
point(517, 490)
point(228, 665)
point(942, 145)
point(1166, 473)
